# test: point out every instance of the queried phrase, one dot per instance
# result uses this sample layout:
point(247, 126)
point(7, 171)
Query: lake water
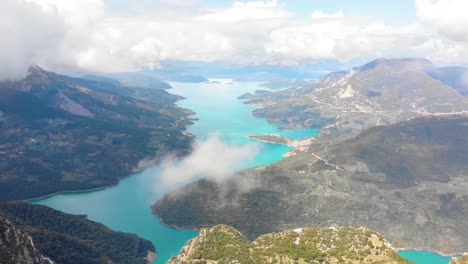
point(126, 207)
point(421, 257)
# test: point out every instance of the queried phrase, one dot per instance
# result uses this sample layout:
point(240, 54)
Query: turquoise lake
point(421, 257)
point(126, 207)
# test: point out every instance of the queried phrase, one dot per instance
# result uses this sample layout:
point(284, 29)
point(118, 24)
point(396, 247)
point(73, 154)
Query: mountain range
point(382, 92)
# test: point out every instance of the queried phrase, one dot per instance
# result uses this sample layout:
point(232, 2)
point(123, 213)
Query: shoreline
point(181, 228)
point(397, 249)
point(151, 256)
point(28, 200)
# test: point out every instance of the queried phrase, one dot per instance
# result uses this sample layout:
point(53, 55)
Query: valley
point(217, 111)
point(323, 171)
point(233, 132)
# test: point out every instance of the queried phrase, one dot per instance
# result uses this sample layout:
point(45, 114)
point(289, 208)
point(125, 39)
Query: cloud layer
point(88, 35)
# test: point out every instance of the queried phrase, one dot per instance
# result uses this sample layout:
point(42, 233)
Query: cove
point(126, 207)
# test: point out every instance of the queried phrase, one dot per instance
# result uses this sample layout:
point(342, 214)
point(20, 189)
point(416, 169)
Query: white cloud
point(272, 3)
point(87, 35)
point(448, 16)
point(335, 36)
point(241, 11)
point(29, 35)
point(81, 13)
point(211, 158)
point(321, 15)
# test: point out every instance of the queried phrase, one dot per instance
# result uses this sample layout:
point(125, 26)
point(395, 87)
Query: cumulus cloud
point(448, 16)
point(321, 15)
point(210, 158)
point(90, 36)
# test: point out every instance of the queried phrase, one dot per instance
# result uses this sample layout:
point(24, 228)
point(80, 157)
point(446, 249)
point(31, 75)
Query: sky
point(124, 35)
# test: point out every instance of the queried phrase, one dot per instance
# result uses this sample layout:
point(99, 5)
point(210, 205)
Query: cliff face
point(224, 244)
point(16, 246)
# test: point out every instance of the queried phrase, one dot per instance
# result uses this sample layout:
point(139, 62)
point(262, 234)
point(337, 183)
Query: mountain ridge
point(224, 244)
point(381, 92)
point(54, 127)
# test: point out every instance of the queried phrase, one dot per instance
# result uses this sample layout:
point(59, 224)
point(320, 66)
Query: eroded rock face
point(16, 246)
point(224, 244)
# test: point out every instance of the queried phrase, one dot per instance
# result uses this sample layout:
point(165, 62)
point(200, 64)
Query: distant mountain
point(33, 234)
point(382, 92)
point(59, 133)
point(407, 181)
point(224, 244)
point(242, 72)
point(140, 79)
point(284, 83)
point(457, 77)
point(101, 79)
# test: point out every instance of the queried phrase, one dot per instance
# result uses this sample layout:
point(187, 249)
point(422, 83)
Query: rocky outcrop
point(460, 260)
point(17, 246)
point(68, 239)
point(224, 244)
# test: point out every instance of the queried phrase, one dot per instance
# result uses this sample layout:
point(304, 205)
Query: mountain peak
point(36, 69)
point(402, 64)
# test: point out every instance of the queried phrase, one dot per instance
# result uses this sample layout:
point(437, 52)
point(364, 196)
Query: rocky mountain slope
point(59, 133)
point(407, 181)
point(382, 92)
point(28, 233)
point(16, 246)
point(456, 77)
point(224, 244)
point(460, 260)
